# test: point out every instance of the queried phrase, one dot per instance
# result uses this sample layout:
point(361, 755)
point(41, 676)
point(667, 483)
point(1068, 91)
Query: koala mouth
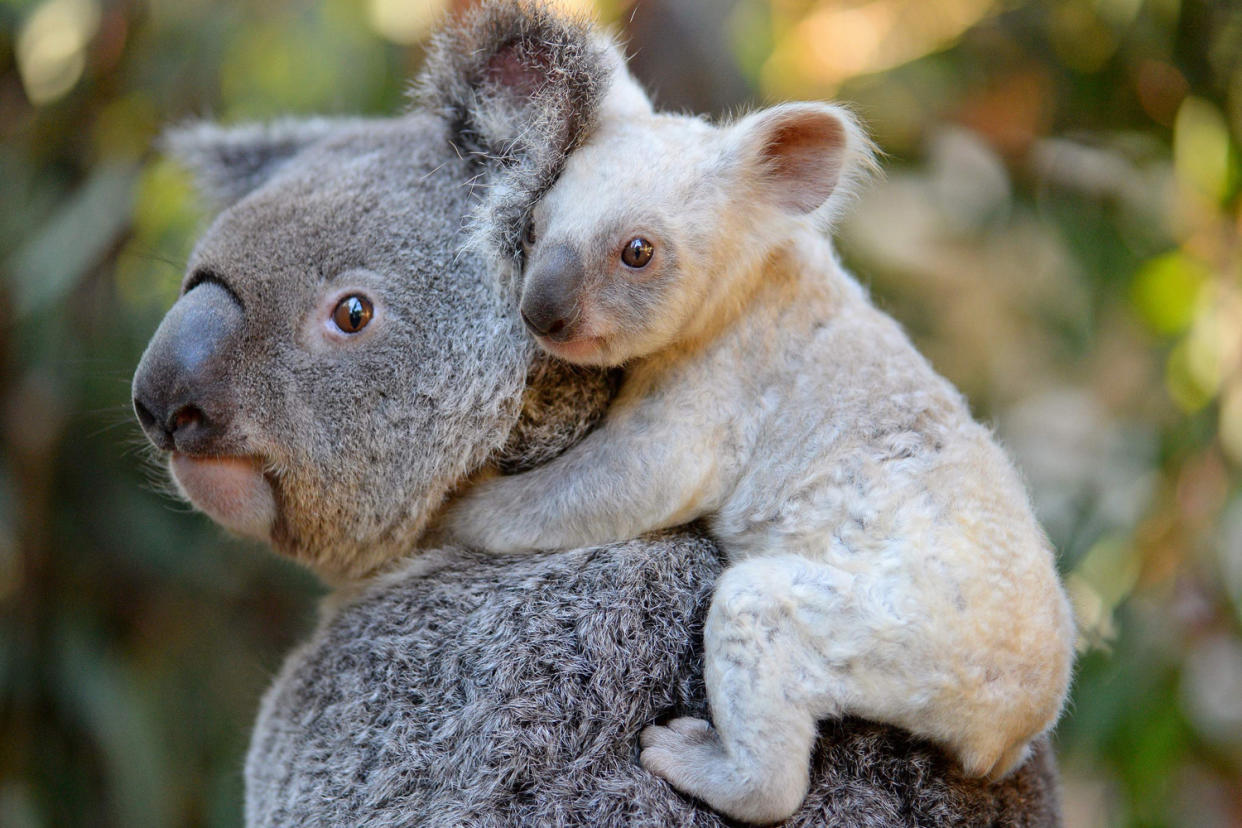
point(588, 349)
point(232, 491)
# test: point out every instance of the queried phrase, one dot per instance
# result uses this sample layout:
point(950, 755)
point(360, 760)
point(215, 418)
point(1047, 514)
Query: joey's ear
point(624, 97)
point(230, 161)
point(801, 155)
point(517, 78)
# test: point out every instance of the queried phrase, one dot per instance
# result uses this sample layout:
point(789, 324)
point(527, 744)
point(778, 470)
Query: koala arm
point(634, 474)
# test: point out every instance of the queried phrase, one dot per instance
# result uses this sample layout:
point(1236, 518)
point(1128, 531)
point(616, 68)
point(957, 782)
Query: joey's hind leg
point(768, 683)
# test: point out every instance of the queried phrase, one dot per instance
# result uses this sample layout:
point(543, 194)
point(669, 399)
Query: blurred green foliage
point(1059, 229)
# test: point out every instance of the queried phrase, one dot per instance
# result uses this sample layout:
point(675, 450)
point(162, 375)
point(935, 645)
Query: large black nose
point(181, 388)
point(550, 292)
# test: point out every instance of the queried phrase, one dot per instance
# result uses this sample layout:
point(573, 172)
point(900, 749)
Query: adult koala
point(338, 362)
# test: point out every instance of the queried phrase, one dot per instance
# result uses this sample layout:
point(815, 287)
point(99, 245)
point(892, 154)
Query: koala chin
point(885, 561)
point(231, 491)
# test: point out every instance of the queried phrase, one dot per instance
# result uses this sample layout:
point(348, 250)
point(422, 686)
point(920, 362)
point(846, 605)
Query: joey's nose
point(550, 292)
point(545, 322)
point(181, 388)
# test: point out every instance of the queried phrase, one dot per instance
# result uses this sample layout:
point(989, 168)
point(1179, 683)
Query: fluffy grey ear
point(520, 85)
point(230, 161)
point(514, 78)
point(801, 155)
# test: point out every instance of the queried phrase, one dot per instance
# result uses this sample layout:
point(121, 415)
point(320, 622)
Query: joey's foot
point(689, 755)
point(989, 766)
point(677, 738)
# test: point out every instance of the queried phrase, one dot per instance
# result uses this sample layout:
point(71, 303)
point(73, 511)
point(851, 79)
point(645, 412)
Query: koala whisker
point(119, 419)
point(150, 255)
point(432, 172)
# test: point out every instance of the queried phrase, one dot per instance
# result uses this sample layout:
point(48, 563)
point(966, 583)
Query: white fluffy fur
point(885, 561)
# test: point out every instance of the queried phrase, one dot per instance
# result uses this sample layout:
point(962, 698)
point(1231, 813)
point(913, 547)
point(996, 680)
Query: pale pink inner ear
point(802, 155)
point(519, 72)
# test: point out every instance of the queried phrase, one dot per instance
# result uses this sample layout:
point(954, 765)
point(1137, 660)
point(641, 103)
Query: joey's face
point(658, 229)
point(616, 252)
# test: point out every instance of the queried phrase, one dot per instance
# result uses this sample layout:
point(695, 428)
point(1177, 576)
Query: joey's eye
point(528, 235)
point(353, 313)
point(637, 252)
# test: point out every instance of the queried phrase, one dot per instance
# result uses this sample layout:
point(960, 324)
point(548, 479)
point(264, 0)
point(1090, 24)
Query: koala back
point(474, 690)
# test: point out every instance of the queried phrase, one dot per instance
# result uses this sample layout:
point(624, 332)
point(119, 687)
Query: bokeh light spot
point(1183, 381)
point(403, 21)
point(51, 48)
point(1166, 289)
point(839, 41)
point(1201, 148)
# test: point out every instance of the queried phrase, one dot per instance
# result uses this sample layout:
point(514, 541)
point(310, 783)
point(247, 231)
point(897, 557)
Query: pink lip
point(232, 491)
point(575, 350)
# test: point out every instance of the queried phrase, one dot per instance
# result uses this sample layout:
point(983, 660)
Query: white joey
point(884, 560)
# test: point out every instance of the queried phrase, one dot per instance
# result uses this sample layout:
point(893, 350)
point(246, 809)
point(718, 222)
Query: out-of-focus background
point(1059, 229)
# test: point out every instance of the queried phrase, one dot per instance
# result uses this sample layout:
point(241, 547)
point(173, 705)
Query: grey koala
point(335, 365)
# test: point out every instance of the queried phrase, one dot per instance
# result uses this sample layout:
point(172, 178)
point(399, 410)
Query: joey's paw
point(465, 524)
point(991, 756)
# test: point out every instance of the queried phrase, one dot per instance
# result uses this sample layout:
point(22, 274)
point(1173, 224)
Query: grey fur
point(524, 126)
point(562, 402)
point(229, 162)
point(456, 688)
point(514, 78)
point(511, 691)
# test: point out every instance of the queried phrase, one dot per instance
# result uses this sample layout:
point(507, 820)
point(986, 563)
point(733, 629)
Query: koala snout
point(550, 293)
point(180, 388)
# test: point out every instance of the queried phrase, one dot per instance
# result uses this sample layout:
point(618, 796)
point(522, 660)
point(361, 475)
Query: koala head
point(659, 223)
point(339, 358)
point(620, 230)
point(332, 366)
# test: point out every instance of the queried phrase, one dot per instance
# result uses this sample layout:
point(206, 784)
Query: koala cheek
point(231, 491)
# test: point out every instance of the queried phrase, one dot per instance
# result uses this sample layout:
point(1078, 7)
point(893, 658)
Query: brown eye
point(637, 252)
point(528, 237)
point(353, 313)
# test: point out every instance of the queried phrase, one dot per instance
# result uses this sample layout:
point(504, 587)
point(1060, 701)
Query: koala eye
point(353, 313)
point(528, 235)
point(637, 252)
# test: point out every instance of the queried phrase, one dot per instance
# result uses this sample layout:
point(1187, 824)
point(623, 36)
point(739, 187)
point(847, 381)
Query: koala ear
point(229, 162)
point(802, 154)
point(624, 98)
point(516, 78)
point(519, 86)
